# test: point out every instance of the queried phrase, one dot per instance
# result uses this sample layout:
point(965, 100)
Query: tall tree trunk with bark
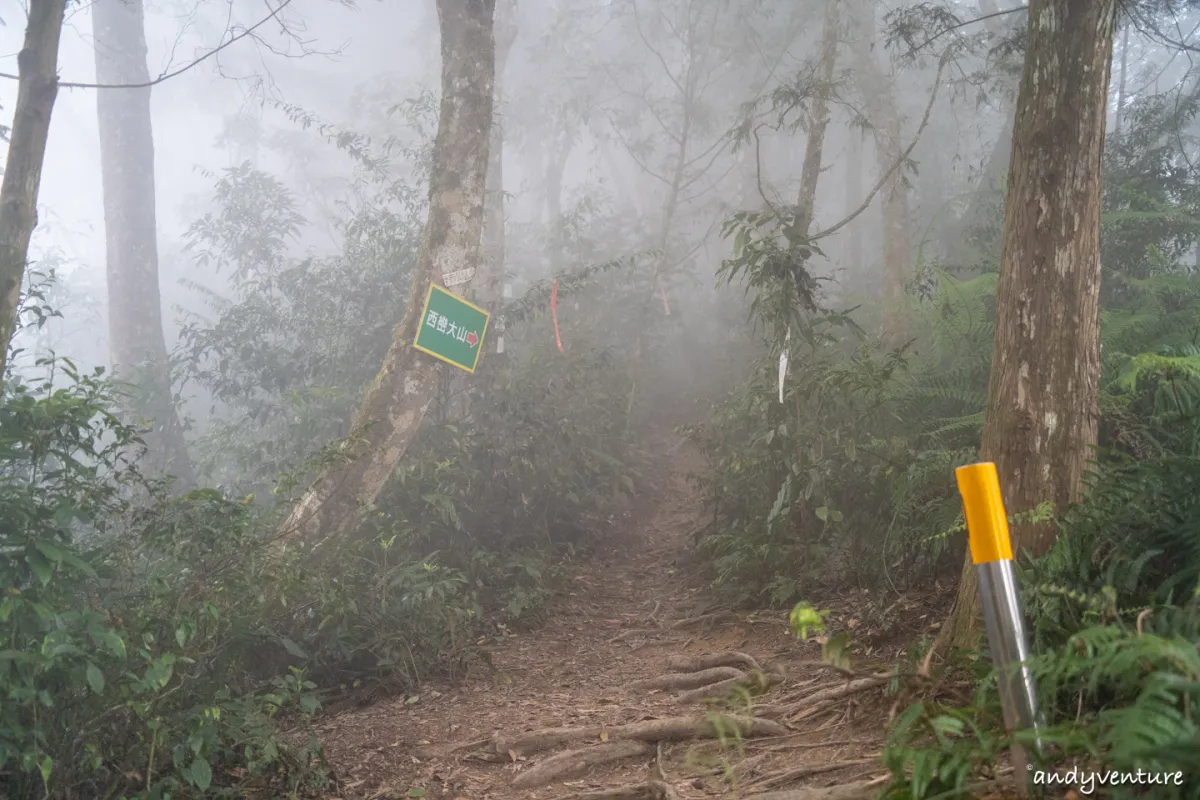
point(394, 406)
point(37, 88)
point(1120, 112)
point(819, 119)
point(1043, 396)
point(135, 324)
point(885, 120)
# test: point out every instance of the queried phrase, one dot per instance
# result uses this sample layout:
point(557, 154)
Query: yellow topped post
point(992, 554)
point(987, 525)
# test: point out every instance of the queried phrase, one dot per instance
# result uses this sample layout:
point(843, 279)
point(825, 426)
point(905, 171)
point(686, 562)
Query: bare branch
point(637, 19)
point(629, 148)
point(645, 100)
point(937, 82)
point(966, 23)
point(167, 76)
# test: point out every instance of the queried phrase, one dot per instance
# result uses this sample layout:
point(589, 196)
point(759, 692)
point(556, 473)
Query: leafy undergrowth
point(152, 647)
point(1116, 629)
point(848, 478)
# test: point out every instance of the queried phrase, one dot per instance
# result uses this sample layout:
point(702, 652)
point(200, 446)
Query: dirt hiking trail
point(606, 700)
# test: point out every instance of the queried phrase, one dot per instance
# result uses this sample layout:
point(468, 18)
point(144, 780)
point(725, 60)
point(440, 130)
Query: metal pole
point(991, 551)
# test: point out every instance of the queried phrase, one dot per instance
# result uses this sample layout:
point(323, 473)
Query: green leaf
point(17, 655)
point(111, 641)
point(50, 551)
point(201, 774)
point(416, 792)
point(782, 502)
point(822, 514)
point(43, 569)
point(95, 678)
point(739, 243)
point(805, 618)
point(293, 648)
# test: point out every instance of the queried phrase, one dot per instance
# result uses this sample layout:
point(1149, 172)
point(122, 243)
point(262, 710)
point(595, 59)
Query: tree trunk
point(135, 326)
point(37, 87)
point(394, 406)
point(819, 122)
point(1120, 113)
point(557, 154)
point(1043, 396)
point(853, 251)
point(885, 121)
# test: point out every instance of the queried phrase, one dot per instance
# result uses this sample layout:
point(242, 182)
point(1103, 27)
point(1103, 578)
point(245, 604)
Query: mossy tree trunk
point(391, 413)
point(37, 88)
point(1043, 398)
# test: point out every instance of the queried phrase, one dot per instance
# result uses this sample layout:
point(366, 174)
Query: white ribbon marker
point(783, 362)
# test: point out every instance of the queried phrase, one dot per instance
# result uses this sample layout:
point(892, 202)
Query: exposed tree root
point(865, 790)
point(688, 680)
point(711, 660)
point(839, 692)
point(858, 790)
point(574, 762)
point(756, 683)
point(773, 781)
point(672, 729)
point(765, 745)
point(659, 770)
point(770, 711)
point(654, 790)
point(432, 751)
point(704, 619)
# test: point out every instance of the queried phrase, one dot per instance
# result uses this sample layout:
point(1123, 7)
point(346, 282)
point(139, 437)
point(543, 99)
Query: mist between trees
point(234, 493)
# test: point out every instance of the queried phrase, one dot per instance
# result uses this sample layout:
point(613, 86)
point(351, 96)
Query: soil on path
point(632, 607)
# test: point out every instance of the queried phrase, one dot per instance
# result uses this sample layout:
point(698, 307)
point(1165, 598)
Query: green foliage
point(117, 627)
point(851, 477)
point(874, 433)
point(1116, 627)
point(279, 360)
point(152, 647)
point(502, 480)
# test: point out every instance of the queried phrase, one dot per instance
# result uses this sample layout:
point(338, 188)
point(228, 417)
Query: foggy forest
point(599, 399)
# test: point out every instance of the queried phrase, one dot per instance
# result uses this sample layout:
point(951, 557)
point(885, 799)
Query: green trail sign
point(451, 329)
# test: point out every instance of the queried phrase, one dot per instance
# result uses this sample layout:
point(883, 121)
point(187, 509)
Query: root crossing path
point(634, 689)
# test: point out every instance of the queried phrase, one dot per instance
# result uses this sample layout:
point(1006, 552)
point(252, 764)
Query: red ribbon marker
point(554, 314)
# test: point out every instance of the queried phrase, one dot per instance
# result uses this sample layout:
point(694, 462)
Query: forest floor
point(560, 714)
